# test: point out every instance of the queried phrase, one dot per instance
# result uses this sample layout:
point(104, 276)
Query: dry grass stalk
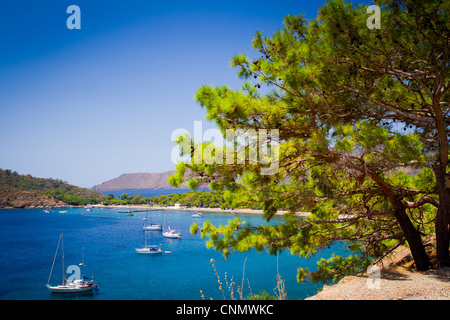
point(279, 290)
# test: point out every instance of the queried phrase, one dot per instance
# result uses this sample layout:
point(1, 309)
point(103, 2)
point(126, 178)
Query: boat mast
point(145, 234)
point(63, 269)
point(165, 215)
point(54, 259)
point(83, 264)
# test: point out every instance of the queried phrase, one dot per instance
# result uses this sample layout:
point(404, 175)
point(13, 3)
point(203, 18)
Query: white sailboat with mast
point(170, 233)
point(151, 226)
point(152, 249)
point(80, 285)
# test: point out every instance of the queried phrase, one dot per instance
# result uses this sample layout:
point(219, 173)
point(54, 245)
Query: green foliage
point(71, 199)
point(123, 199)
point(263, 295)
point(360, 129)
point(123, 196)
point(204, 199)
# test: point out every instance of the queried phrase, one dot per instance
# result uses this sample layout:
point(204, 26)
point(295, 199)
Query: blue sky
point(87, 105)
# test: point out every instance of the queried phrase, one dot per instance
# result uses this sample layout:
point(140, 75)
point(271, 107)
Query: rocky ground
point(394, 284)
point(395, 279)
point(14, 198)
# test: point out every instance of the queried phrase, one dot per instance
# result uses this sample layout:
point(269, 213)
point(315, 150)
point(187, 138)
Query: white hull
point(149, 251)
point(153, 228)
point(172, 235)
point(70, 288)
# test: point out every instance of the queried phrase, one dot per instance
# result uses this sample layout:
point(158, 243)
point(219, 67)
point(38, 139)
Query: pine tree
point(397, 75)
point(363, 118)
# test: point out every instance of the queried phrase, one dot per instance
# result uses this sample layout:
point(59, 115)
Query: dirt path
point(395, 279)
point(398, 283)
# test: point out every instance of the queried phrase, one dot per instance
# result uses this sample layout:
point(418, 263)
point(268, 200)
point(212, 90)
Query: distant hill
point(137, 181)
point(22, 191)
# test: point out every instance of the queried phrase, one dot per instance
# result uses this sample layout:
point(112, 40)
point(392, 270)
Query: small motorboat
point(197, 215)
point(172, 234)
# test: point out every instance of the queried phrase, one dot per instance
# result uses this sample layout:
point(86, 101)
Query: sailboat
point(152, 249)
point(151, 226)
point(80, 285)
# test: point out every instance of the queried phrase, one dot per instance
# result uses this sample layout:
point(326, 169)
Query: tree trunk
point(442, 222)
point(413, 238)
point(412, 235)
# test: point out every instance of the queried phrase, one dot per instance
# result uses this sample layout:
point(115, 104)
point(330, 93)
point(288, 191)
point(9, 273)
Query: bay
point(29, 237)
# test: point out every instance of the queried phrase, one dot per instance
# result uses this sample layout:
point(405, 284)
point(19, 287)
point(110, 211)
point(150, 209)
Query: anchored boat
point(152, 249)
point(151, 226)
point(170, 233)
point(79, 285)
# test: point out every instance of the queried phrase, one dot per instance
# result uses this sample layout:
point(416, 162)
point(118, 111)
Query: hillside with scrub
point(21, 191)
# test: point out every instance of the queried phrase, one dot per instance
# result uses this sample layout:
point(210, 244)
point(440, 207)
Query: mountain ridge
point(139, 180)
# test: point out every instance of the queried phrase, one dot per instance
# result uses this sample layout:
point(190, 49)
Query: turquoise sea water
point(29, 237)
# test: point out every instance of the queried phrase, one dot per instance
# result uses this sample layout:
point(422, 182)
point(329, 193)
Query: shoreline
point(147, 207)
point(218, 210)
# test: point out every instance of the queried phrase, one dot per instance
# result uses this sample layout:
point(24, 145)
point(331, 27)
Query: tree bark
point(413, 238)
point(412, 235)
point(442, 222)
